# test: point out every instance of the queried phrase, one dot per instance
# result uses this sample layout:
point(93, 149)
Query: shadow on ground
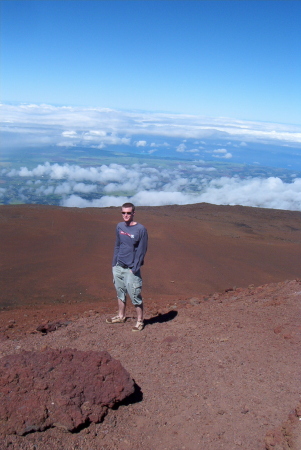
point(135, 397)
point(161, 318)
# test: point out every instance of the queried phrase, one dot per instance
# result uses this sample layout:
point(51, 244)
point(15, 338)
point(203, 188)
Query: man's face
point(127, 214)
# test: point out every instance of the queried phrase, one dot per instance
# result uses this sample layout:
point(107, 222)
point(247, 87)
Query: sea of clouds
point(264, 193)
point(143, 184)
point(31, 124)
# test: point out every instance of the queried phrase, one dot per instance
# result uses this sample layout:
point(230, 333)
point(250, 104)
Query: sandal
point(116, 319)
point(139, 326)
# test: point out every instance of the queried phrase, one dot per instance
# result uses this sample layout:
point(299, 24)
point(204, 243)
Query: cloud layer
point(264, 193)
point(145, 185)
point(169, 135)
point(101, 127)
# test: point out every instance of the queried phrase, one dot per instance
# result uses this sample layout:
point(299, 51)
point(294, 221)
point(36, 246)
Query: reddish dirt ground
point(216, 369)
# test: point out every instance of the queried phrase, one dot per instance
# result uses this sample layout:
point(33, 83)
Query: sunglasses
point(127, 213)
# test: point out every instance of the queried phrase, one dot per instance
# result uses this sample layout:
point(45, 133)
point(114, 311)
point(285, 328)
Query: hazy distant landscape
point(96, 157)
point(51, 177)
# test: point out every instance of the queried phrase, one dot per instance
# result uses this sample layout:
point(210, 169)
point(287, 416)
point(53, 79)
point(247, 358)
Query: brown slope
point(54, 255)
point(239, 379)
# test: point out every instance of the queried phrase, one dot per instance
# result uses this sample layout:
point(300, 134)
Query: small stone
point(194, 301)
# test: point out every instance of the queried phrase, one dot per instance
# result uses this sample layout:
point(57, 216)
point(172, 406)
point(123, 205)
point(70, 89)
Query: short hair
point(129, 205)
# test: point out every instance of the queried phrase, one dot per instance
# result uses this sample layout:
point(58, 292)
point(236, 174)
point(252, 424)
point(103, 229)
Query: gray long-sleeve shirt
point(131, 245)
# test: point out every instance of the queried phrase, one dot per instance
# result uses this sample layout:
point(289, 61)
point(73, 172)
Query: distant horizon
point(103, 157)
point(207, 58)
point(155, 101)
point(145, 111)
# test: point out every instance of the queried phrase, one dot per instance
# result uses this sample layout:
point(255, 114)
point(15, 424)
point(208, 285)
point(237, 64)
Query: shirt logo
point(127, 234)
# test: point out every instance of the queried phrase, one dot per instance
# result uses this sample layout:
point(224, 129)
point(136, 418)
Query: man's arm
point(140, 251)
point(116, 248)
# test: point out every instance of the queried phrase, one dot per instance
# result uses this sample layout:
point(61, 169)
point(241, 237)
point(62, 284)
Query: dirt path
point(213, 373)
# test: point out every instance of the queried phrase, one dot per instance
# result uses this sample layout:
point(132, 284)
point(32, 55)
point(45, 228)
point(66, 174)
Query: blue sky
point(238, 59)
point(200, 82)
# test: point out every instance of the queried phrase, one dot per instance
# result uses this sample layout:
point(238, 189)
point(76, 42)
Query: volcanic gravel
point(212, 372)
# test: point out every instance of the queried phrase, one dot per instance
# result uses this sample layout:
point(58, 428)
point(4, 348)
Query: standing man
point(130, 249)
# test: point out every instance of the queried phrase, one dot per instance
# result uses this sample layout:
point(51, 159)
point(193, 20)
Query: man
point(130, 249)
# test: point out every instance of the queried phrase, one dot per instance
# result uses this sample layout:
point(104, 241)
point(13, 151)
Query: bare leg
point(121, 308)
point(139, 310)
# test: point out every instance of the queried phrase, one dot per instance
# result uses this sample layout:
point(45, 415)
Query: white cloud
point(181, 148)
point(69, 134)
point(49, 190)
point(261, 192)
point(44, 190)
point(165, 144)
point(222, 153)
point(264, 193)
point(101, 174)
point(159, 198)
point(63, 189)
point(66, 188)
point(46, 124)
point(202, 169)
point(221, 150)
point(84, 188)
point(78, 202)
point(66, 144)
point(146, 185)
point(140, 144)
point(97, 133)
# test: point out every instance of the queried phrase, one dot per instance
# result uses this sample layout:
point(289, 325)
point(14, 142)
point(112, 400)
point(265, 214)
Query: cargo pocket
point(136, 287)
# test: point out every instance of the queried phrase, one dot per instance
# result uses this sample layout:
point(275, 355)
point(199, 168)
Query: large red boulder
point(63, 388)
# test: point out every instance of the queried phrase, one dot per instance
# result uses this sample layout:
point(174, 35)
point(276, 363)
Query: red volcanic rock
point(52, 326)
point(62, 388)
